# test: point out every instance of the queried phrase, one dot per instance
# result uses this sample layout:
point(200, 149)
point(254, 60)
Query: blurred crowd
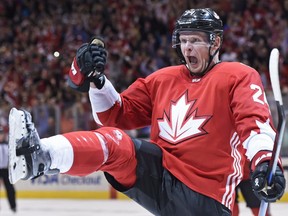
point(39, 39)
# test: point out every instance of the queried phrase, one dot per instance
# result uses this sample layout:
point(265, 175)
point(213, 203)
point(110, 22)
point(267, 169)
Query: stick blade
point(274, 74)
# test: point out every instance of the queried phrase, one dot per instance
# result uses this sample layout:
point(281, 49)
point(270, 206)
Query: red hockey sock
point(235, 211)
point(255, 211)
point(89, 154)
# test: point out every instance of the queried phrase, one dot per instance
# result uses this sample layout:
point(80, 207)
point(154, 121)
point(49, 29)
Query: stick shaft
point(274, 77)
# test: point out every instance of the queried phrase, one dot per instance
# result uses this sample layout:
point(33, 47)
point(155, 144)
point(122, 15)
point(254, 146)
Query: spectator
point(31, 31)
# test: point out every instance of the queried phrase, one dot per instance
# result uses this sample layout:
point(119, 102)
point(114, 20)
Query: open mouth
point(192, 60)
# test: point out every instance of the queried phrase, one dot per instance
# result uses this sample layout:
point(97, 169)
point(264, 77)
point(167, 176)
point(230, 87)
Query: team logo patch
point(118, 134)
point(73, 69)
point(182, 121)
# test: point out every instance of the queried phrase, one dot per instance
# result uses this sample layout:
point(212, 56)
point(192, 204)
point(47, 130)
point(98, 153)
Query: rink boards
point(93, 186)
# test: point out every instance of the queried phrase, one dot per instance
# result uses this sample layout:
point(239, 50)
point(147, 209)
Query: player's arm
point(87, 74)
point(128, 110)
point(255, 126)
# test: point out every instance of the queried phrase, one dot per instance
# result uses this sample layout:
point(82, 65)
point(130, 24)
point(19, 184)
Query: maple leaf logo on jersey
point(183, 122)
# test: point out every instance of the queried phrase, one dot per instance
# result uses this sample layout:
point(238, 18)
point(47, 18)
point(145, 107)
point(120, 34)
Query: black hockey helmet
point(205, 20)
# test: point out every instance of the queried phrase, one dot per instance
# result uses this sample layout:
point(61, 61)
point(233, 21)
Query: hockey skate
point(26, 158)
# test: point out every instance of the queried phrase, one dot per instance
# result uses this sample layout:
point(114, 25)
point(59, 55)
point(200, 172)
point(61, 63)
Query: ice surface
point(75, 207)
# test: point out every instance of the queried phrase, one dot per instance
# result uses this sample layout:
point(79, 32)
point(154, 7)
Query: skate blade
point(17, 129)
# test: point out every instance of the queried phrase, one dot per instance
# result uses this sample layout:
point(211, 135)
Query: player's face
point(195, 49)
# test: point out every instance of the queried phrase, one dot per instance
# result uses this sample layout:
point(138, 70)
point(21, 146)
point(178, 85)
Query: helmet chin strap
point(202, 73)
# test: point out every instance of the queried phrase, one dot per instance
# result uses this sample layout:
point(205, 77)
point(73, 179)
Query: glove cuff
point(75, 75)
point(261, 157)
point(76, 79)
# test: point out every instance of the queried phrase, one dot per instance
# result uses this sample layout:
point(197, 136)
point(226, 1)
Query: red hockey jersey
point(205, 126)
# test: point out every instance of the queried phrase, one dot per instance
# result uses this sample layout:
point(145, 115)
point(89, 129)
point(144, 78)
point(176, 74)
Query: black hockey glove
point(88, 66)
point(259, 183)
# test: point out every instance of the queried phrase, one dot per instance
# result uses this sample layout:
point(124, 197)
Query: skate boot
point(27, 160)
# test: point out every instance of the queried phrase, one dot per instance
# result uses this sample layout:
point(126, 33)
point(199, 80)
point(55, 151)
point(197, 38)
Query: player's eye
point(192, 41)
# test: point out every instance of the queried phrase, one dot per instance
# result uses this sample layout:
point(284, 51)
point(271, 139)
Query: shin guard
point(107, 149)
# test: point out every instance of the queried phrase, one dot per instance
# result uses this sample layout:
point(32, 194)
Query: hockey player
point(206, 116)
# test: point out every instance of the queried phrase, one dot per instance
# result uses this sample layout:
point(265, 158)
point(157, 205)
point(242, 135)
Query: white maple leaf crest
point(181, 125)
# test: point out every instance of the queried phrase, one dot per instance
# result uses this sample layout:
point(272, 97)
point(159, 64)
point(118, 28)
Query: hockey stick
point(274, 76)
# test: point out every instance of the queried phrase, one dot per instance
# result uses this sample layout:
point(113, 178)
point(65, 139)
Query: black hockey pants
point(158, 191)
